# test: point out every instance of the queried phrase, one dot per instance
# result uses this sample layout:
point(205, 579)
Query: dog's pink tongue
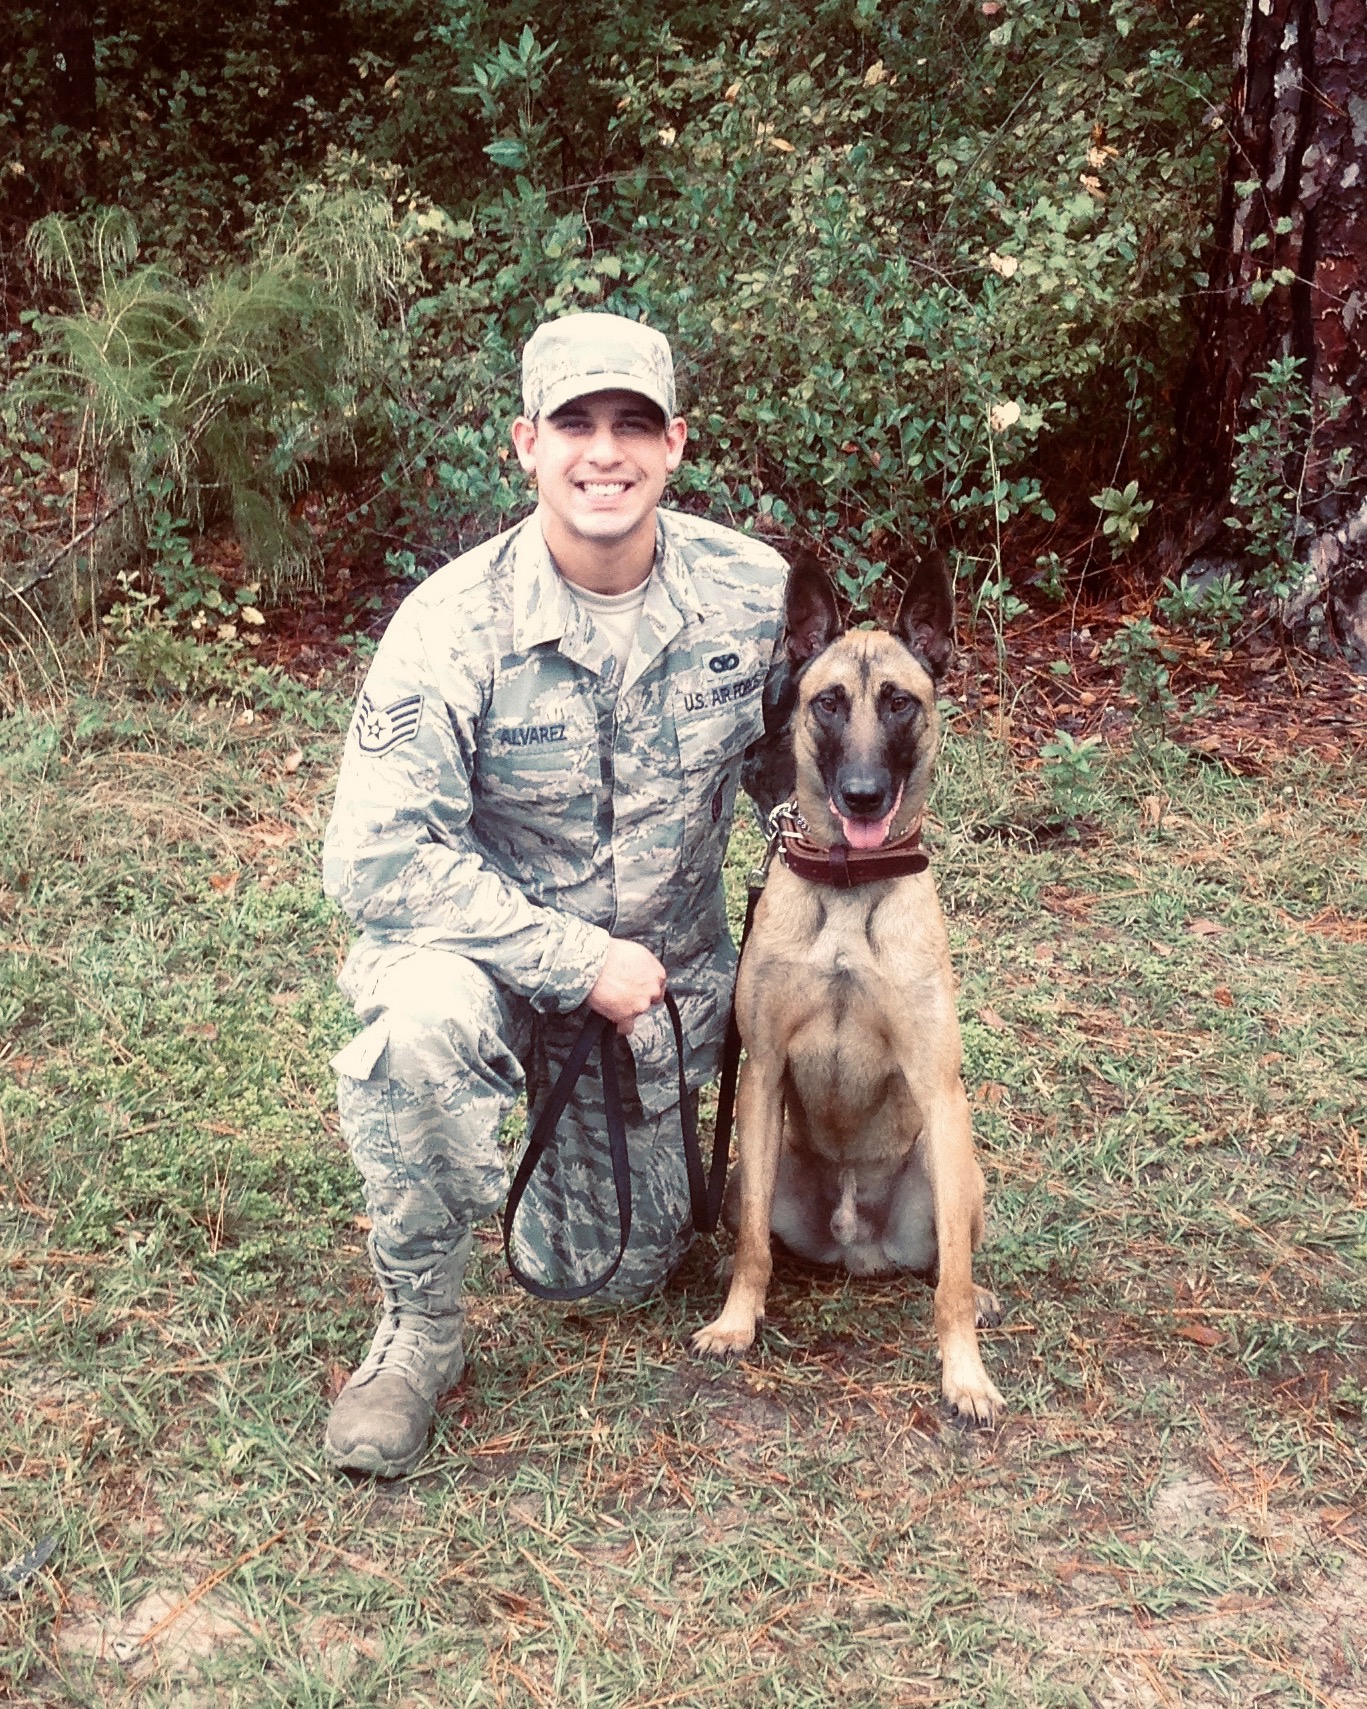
point(866, 833)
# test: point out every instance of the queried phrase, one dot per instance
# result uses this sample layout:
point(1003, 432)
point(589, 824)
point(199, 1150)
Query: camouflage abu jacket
point(502, 797)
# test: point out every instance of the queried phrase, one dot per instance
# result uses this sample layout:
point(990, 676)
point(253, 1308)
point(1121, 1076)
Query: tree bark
point(1288, 277)
point(70, 40)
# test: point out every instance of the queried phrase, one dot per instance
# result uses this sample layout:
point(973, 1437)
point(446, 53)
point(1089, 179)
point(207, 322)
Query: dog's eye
point(900, 702)
point(831, 701)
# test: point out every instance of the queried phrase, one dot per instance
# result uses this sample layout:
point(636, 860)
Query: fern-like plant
point(232, 387)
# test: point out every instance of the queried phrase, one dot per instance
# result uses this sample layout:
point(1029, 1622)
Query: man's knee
point(433, 995)
point(447, 1024)
point(422, 1093)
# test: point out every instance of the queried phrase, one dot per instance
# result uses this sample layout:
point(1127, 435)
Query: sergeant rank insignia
point(380, 728)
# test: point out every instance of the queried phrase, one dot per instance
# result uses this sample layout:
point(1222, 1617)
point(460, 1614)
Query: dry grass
point(1166, 1047)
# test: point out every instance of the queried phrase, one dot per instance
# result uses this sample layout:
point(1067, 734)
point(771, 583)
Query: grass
point(1165, 1048)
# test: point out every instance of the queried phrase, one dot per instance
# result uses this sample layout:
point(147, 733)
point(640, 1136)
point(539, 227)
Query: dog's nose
point(863, 797)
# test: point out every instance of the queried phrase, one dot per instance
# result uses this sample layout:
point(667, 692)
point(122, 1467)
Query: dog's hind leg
point(759, 1125)
point(989, 1307)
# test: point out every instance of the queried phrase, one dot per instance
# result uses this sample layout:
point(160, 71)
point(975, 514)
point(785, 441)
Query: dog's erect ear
point(925, 618)
point(811, 621)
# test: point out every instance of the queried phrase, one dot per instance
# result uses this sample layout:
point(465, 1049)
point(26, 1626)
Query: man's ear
point(524, 443)
point(811, 621)
point(925, 618)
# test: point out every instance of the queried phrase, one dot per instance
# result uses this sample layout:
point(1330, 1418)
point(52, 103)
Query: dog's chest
point(850, 1098)
point(845, 954)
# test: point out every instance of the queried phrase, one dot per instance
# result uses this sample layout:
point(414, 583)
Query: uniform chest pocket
point(549, 761)
point(713, 733)
point(717, 716)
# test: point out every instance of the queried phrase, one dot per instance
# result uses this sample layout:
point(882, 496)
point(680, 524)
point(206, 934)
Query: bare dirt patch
point(162, 1631)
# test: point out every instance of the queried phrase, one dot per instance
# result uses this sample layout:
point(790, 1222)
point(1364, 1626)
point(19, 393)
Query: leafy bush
point(895, 267)
point(205, 114)
point(1072, 773)
point(1125, 514)
point(1143, 657)
point(1267, 494)
point(1211, 605)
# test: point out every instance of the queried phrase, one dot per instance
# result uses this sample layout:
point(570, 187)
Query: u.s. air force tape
point(380, 728)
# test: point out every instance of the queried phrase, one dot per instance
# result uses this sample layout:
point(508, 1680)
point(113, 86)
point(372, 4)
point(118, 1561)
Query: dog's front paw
point(970, 1393)
point(726, 1338)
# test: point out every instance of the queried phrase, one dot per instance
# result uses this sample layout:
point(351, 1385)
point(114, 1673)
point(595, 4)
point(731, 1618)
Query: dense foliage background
point(927, 269)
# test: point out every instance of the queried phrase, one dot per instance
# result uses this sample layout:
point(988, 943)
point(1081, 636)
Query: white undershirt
point(617, 616)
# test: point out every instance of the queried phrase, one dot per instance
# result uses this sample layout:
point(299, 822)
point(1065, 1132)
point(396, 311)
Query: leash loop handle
point(704, 1193)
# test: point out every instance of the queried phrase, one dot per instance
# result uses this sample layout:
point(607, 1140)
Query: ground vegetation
point(1161, 955)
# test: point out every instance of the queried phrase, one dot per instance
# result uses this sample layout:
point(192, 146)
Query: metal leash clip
point(784, 820)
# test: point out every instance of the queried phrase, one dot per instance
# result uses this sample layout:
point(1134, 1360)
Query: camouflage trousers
point(423, 1092)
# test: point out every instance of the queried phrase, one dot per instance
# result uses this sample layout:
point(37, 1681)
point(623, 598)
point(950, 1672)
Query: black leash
point(730, 1054)
point(704, 1189)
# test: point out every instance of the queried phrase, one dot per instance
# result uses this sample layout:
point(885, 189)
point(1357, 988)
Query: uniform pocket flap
point(358, 1059)
point(719, 711)
point(651, 1042)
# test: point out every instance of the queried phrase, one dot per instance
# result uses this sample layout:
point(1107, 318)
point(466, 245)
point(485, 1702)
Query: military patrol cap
point(569, 358)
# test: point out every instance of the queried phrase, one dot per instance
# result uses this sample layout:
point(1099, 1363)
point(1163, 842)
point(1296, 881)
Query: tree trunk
point(70, 39)
point(1288, 277)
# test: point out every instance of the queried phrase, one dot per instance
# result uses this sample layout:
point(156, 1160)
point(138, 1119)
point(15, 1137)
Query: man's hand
point(631, 982)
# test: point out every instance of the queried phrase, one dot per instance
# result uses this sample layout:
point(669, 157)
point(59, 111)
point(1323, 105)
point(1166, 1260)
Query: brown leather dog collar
point(846, 868)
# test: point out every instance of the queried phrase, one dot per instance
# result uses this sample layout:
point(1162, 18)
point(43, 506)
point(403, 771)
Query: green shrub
point(1072, 773)
point(1213, 606)
point(1143, 656)
point(1267, 493)
point(924, 267)
point(1125, 514)
point(904, 257)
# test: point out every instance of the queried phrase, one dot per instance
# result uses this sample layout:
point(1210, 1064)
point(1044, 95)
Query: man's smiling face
point(601, 463)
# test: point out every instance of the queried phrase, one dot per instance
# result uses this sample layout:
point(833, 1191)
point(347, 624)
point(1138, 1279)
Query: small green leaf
point(507, 151)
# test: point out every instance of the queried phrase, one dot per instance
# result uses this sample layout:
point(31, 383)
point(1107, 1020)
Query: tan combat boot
point(381, 1420)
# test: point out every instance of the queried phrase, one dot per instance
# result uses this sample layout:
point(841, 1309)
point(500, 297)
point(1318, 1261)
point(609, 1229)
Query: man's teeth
point(604, 489)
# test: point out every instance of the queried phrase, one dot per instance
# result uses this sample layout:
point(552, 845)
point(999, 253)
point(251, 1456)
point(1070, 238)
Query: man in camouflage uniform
point(531, 817)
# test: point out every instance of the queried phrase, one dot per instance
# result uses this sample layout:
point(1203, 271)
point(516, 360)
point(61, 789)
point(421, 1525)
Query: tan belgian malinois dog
point(852, 1123)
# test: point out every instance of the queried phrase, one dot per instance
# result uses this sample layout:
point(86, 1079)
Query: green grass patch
point(1165, 1049)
